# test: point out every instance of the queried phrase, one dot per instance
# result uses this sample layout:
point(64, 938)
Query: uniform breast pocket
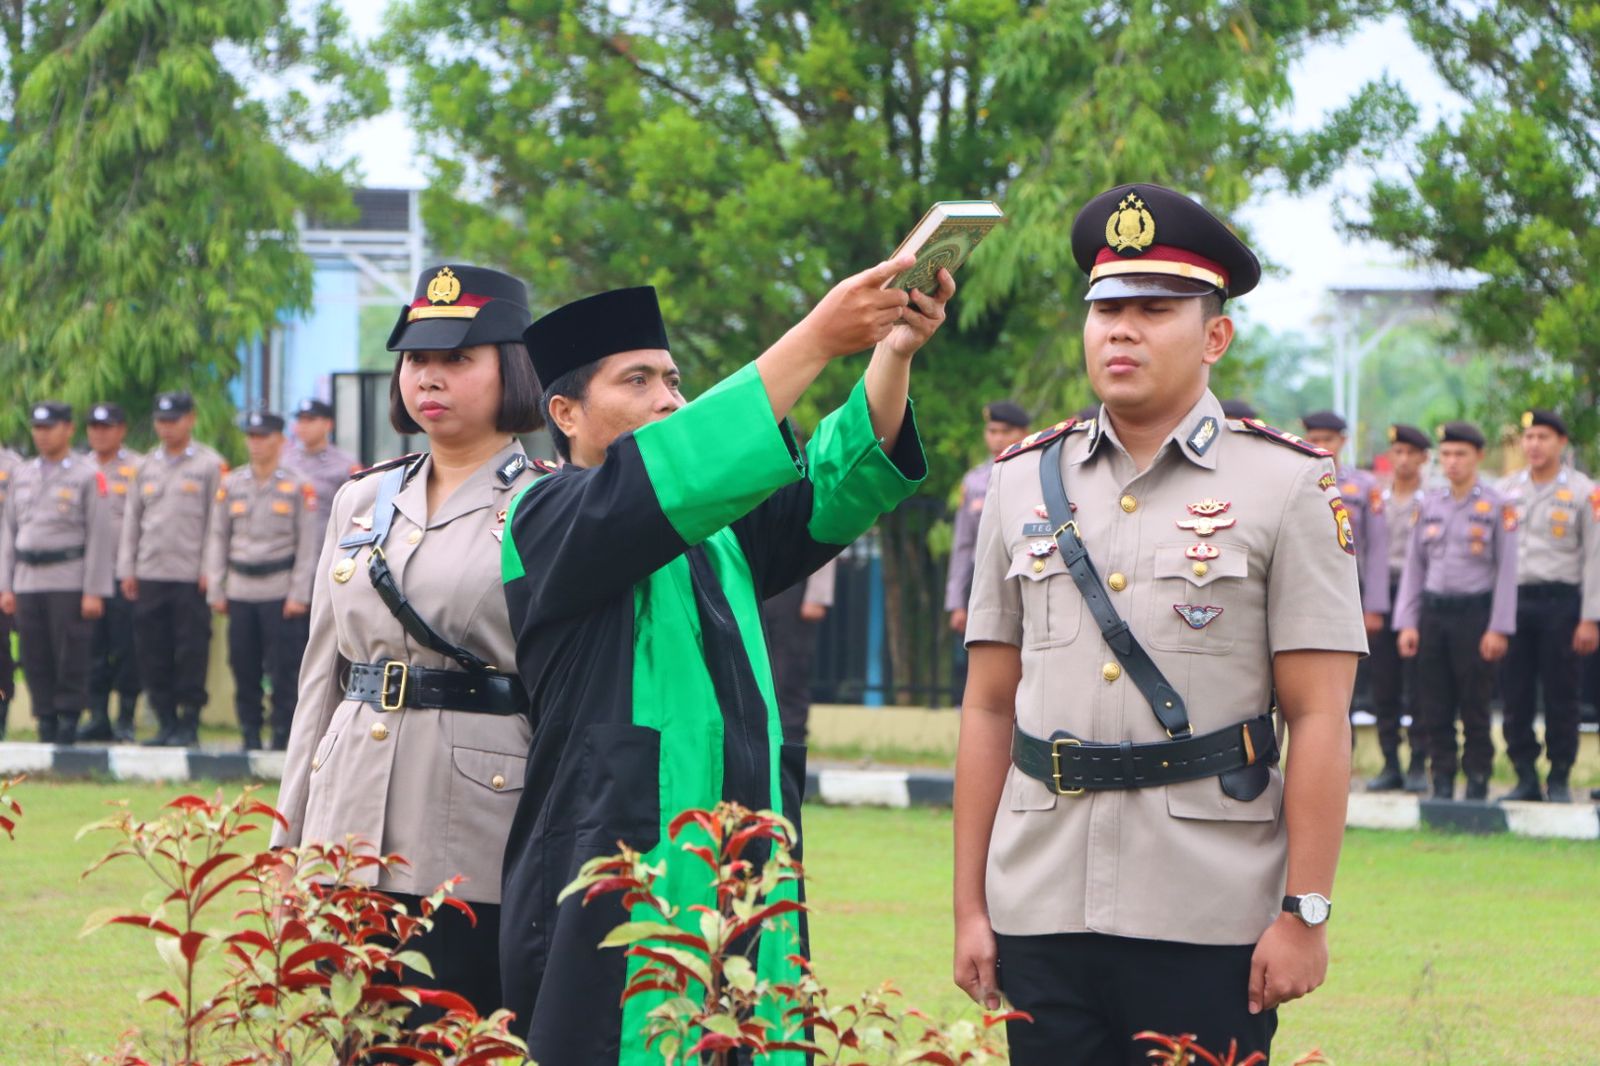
point(1196, 586)
point(1052, 607)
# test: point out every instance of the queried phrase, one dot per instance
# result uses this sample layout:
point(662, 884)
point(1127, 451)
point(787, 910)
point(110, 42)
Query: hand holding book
point(944, 239)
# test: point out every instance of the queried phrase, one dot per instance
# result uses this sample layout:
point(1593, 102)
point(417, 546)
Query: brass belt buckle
point(404, 673)
point(1055, 764)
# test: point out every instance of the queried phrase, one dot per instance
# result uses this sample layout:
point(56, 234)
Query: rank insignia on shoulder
point(1287, 439)
point(1197, 617)
point(1341, 525)
point(1035, 439)
point(511, 468)
point(545, 466)
point(1203, 435)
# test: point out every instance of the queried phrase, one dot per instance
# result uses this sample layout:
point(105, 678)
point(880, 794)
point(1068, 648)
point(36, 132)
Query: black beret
point(1461, 433)
point(1237, 408)
point(1541, 417)
point(1399, 433)
point(1172, 244)
point(314, 408)
point(171, 405)
point(260, 423)
point(459, 306)
point(50, 413)
point(107, 414)
point(1007, 412)
point(1325, 420)
point(587, 330)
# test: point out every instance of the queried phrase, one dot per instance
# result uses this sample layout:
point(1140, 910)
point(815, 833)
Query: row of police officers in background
point(1460, 577)
point(112, 564)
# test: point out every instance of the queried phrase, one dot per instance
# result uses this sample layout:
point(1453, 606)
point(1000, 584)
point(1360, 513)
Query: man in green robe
point(635, 576)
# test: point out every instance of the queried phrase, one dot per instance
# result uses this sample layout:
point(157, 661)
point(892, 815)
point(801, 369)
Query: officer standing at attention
point(113, 667)
point(57, 562)
point(1394, 685)
point(1363, 500)
point(1004, 424)
point(1123, 835)
point(1457, 607)
point(314, 454)
point(9, 461)
point(163, 540)
point(1558, 603)
point(260, 559)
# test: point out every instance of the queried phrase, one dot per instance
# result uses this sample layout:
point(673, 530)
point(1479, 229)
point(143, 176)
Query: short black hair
point(1211, 305)
point(521, 407)
point(574, 385)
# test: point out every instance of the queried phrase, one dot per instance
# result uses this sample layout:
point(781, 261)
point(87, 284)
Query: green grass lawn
point(1456, 950)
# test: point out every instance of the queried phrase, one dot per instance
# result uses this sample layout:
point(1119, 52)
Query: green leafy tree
point(1508, 189)
point(148, 202)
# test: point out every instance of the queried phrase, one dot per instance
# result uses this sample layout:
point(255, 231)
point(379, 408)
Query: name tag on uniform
point(1037, 529)
point(191, 487)
point(239, 507)
point(281, 507)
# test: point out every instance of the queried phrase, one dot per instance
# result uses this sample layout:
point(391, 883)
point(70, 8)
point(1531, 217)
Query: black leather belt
point(1435, 602)
point(276, 566)
point(395, 685)
point(1071, 766)
point(1547, 590)
point(46, 558)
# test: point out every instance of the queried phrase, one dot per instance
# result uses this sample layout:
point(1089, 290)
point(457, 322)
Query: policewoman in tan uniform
point(412, 732)
point(1128, 854)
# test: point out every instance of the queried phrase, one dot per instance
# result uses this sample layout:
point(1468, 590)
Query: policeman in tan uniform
point(57, 558)
point(1128, 855)
point(1558, 603)
point(314, 454)
point(159, 564)
point(113, 667)
point(9, 461)
point(1004, 423)
point(260, 557)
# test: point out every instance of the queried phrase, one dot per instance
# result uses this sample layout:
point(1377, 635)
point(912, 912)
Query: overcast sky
point(1296, 234)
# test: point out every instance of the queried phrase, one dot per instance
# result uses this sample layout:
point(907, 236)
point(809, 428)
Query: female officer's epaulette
point(1041, 437)
point(387, 464)
point(543, 466)
point(1283, 437)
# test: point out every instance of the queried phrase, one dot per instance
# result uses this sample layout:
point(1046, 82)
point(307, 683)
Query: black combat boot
point(1557, 788)
point(67, 728)
point(166, 728)
point(1527, 788)
point(47, 728)
point(1477, 787)
point(252, 740)
point(1417, 773)
point(98, 727)
point(187, 735)
point(1444, 786)
point(5, 714)
point(1389, 779)
point(127, 718)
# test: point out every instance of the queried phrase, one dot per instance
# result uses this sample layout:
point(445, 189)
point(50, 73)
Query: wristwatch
point(1311, 908)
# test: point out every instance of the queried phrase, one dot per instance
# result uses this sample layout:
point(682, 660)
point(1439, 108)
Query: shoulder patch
point(1038, 438)
point(1279, 436)
point(543, 466)
point(387, 464)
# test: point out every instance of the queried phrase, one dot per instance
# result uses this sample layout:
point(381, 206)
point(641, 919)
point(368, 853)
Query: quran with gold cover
point(944, 238)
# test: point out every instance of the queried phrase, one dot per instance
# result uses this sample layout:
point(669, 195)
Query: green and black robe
point(635, 589)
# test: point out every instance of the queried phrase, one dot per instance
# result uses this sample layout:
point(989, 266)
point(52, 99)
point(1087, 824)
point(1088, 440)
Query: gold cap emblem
point(1130, 229)
point(445, 286)
point(1527, 420)
point(1394, 434)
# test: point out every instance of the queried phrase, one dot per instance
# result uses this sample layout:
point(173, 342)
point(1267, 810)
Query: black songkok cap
point(1146, 240)
point(260, 423)
point(173, 405)
point(1399, 433)
point(1541, 417)
point(107, 414)
point(1007, 412)
point(1325, 420)
point(459, 306)
point(587, 330)
point(314, 409)
point(50, 413)
point(1237, 408)
point(1461, 433)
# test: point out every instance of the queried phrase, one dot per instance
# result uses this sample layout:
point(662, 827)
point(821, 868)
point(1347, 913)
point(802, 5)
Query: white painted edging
point(149, 764)
point(863, 788)
point(1563, 820)
point(1379, 810)
point(19, 758)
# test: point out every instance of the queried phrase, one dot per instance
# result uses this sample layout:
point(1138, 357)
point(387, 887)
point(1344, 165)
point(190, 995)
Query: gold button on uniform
point(1129, 504)
point(1201, 569)
point(414, 536)
point(497, 782)
point(1111, 671)
point(1038, 566)
point(316, 764)
point(380, 732)
point(1117, 582)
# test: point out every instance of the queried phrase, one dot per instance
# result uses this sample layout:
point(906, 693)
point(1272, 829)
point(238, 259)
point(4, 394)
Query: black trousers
point(262, 642)
point(465, 957)
point(1394, 689)
point(113, 664)
point(172, 636)
point(1540, 657)
point(1089, 993)
point(1454, 681)
point(792, 647)
point(55, 641)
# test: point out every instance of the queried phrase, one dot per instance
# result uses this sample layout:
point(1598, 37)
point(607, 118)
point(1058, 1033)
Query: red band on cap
point(466, 299)
point(1153, 261)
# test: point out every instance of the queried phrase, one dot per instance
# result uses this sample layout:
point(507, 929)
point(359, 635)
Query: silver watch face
point(1314, 909)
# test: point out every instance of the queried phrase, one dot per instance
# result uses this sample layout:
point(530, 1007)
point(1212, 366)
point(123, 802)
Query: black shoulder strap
point(1147, 677)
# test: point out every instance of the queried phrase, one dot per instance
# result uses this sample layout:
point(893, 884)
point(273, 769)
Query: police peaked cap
point(1007, 412)
point(50, 413)
point(1325, 420)
point(1146, 240)
point(1237, 408)
point(314, 408)
point(107, 414)
point(260, 423)
point(1461, 433)
point(172, 405)
point(1542, 417)
point(1399, 433)
point(587, 330)
point(459, 306)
